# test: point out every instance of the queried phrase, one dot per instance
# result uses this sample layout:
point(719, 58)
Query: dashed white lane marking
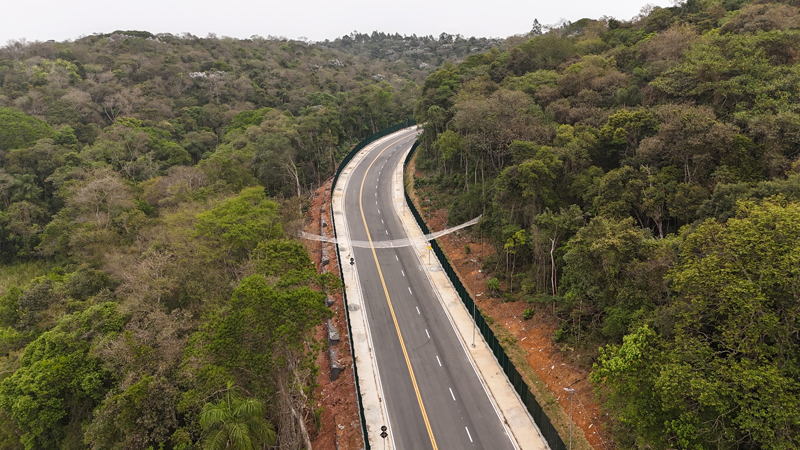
point(379, 211)
point(440, 363)
point(381, 220)
point(387, 231)
point(409, 291)
point(469, 435)
point(451, 394)
point(376, 202)
point(403, 272)
point(429, 335)
point(418, 310)
point(395, 257)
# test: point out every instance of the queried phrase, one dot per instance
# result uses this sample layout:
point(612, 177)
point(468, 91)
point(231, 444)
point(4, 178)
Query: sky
point(316, 20)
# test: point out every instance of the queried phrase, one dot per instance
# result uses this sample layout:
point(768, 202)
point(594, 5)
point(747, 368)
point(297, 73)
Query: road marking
point(376, 202)
point(418, 311)
point(403, 272)
point(382, 221)
point(387, 231)
point(395, 257)
point(451, 394)
point(439, 361)
point(391, 308)
point(379, 211)
point(409, 291)
point(429, 335)
point(470, 436)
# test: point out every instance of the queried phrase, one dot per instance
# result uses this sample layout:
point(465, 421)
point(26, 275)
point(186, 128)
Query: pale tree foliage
point(122, 103)
point(177, 186)
point(101, 199)
point(80, 101)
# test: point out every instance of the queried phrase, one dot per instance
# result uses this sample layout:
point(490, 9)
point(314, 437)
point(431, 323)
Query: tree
point(235, 423)
point(18, 130)
point(59, 382)
point(613, 273)
point(722, 371)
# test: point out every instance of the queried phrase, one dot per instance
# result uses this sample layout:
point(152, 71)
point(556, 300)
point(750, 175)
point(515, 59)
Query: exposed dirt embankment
point(340, 425)
point(533, 338)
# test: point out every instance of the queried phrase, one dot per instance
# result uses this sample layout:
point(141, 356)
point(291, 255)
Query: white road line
point(409, 291)
point(403, 272)
point(470, 436)
point(376, 202)
point(382, 221)
point(429, 335)
point(387, 231)
point(379, 211)
point(418, 311)
point(395, 257)
point(452, 395)
point(440, 362)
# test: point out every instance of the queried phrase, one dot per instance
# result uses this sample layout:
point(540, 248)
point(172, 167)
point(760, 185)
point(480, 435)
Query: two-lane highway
point(433, 396)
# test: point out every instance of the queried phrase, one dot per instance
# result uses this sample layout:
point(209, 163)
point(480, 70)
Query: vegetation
point(152, 292)
point(641, 181)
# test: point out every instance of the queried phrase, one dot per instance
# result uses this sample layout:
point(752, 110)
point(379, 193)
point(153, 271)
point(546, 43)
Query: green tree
point(235, 423)
point(19, 130)
point(59, 381)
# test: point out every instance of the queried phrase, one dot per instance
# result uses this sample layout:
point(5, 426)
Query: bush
point(527, 314)
point(493, 285)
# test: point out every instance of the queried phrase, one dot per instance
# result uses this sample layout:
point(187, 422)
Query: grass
point(20, 274)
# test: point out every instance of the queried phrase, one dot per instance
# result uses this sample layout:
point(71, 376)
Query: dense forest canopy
point(641, 180)
point(152, 291)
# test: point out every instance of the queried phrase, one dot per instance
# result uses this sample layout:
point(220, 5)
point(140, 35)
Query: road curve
point(433, 396)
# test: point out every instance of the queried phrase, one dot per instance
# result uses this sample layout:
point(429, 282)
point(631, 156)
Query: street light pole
point(474, 300)
point(571, 393)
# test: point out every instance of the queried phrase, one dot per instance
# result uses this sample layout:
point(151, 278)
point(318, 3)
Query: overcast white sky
point(314, 19)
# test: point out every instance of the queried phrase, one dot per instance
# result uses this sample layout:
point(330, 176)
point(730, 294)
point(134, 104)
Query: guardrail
point(546, 427)
point(368, 140)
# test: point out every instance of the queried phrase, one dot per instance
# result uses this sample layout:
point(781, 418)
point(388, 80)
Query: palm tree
point(235, 423)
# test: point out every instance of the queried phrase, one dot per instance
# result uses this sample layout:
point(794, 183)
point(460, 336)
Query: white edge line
point(510, 435)
point(374, 362)
point(451, 394)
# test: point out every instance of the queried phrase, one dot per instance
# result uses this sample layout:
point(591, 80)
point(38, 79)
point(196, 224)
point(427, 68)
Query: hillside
point(152, 290)
point(640, 182)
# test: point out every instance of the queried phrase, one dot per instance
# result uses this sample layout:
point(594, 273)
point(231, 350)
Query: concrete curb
point(515, 416)
point(375, 414)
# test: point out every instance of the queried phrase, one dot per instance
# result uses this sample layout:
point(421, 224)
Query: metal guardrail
point(546, 427)
point(368, 140)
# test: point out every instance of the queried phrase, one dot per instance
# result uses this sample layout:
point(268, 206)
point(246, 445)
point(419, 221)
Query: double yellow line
point(389, 300)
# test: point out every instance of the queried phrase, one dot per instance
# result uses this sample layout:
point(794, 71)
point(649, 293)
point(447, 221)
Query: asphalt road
point(433, 395)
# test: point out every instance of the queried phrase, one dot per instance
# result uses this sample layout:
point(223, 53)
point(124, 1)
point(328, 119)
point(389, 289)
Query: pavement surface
point(419, 374)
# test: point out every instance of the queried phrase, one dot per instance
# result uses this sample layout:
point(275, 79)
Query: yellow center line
point(389, 300)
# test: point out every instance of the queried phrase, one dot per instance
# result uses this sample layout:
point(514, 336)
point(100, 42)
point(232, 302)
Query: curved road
point(432, 393)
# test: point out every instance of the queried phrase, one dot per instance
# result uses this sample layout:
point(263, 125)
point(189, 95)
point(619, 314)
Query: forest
point(641, 182)
point(153, 293)
point(640, 179)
